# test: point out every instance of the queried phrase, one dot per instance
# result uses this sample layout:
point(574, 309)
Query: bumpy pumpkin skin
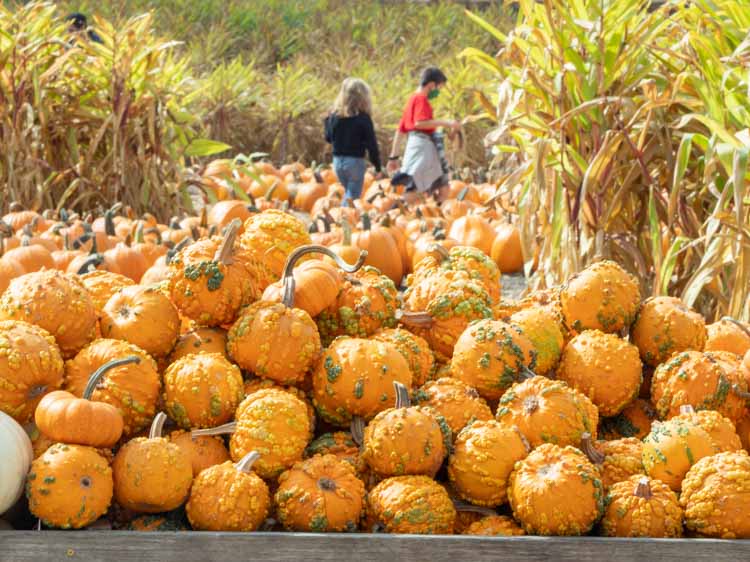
point(401, 441)
point(224, 498)
point(490, 355)
point(144, 317)
point(604, 367)
point(698, 379)
point(202, 390)
point(548, 411)
point(339, 443)
point(721, 429)
point(355, 378)
point(254, 384)
point(633, 421)
point(543, 327)
point(56, 302)
point(415, 350)
point(623, 458)
point(665, 326)
point(154, 523)
point(321, 494)
point(151, 475)
point(366, 303)
point(483, 457)
point(102, 284)
point(30, 367)
point(464, 519)
point(271, 236)
point(69, 486)
point(457, 402)
point(725, 335)
point(628, 515)
point(602, 297)
point(672, 448)
point(133, 389)
point(274, 342)
point(556, 491)
point(276, 424)
point(716, 496)
point(495, 526)
point(411, 505)
point(203, 451)
point(200, 340)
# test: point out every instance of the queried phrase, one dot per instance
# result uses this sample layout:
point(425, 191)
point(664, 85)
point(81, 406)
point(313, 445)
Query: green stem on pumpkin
point(157, 426)
point(402, 395)
point(101, 371)
point(224, 253)
point(245, 464)
point(357, 429)
point(225, 429)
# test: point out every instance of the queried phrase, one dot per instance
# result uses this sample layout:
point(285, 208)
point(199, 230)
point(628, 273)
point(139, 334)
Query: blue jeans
point(351, 173)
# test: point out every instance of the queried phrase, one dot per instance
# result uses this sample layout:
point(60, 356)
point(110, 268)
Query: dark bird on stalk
point(79, 24)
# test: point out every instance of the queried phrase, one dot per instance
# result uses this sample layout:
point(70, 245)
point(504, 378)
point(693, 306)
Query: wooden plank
point(85, 546)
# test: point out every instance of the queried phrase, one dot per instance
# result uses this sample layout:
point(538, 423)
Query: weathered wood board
point(86, 546)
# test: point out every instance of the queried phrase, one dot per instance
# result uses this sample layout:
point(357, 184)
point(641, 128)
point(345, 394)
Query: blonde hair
point(354, 98)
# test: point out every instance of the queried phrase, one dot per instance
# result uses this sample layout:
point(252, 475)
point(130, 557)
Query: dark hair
point(432, 74)
point(77, 19)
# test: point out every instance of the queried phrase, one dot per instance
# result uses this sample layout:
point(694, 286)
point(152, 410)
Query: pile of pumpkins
point(259, 376)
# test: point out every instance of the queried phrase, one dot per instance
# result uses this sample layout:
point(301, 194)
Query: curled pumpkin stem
point(357, 428)
point(246, 463)
point(225, 429)
point(643, 489)
point(157, 426)
point(288, 275)
point(440, 250)
point(103, 370)
point(414, 319)
point(224, 253)
point(461, 505)
point(587, 446)
point(402, 395)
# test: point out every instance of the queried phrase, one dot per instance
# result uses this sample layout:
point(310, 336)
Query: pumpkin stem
point(204, 218)
point(357, 429)
point(687, 409)
point(157, 426)
point(139, 233)
point(90, 263)
point(587, 446)
point(269, 193)
point(218, 430)
point(246, 463)
point(101, 371)
point(366, 222)
point(402, 395)
point(739, 392)
point(346, 228)
point(15, 207)
point(414, 319)
point(462, 194)
point(109, 220)
point(461, 505)
point(172, 252)
point(525, 441)
point(527, 373)
point(737, 323)
point(287, 277)
point(439, 249)
point(195, 234)
point(224, 253)
point(327, 484)
point(642, 489)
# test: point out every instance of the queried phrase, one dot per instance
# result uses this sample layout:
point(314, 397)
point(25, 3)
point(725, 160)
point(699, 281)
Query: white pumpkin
point(17, 454)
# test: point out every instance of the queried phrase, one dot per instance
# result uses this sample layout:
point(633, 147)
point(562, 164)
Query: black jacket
point(352, 136)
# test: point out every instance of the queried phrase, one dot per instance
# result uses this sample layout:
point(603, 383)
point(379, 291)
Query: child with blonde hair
point(350, 130)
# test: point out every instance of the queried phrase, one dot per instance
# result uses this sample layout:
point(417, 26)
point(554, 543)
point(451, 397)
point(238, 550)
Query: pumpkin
point(715, 496)
point(254, 384)
point(665, 326)
point(601, 297)
point(202, 390)
point(415, 350)
point(69, 486)
point(223, 213)
point(200, 340)
point(9, 270)
point(151, 474)
point(339, 444)
point(272, 421)
point(603, 367)
point(616, 460)
point(642, 507)
point(17, 454)
point(483, 457)
point(345, 249)
point(127, 260)
point(405, 440)
point(132, 388)
point(229, 497)
point(547, 411)
point(672, 448)
point(67, 419)
point(495, 526)
point(142, 316)
point(699, 379)
point(271, 236)
point(633, 421)
point(433, 245)
point(203, 452)
point(160, 522)
point(210, 280)
point(415, 505)
point(543, 327)
point(30, 257)
point(729, 335)
point(382, 249)
point(57, 302)
point(720, 429)
point(366, 303)
point(30, 366)
point(321, 494)
point(474, 231)
point(355, 378)
point(457, 402)
point(490, 355)
point(308, 193)
point(556, 491)
point(101, 285)
point(506, 248)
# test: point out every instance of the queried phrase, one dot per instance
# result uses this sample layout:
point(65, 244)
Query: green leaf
point(205, 147)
